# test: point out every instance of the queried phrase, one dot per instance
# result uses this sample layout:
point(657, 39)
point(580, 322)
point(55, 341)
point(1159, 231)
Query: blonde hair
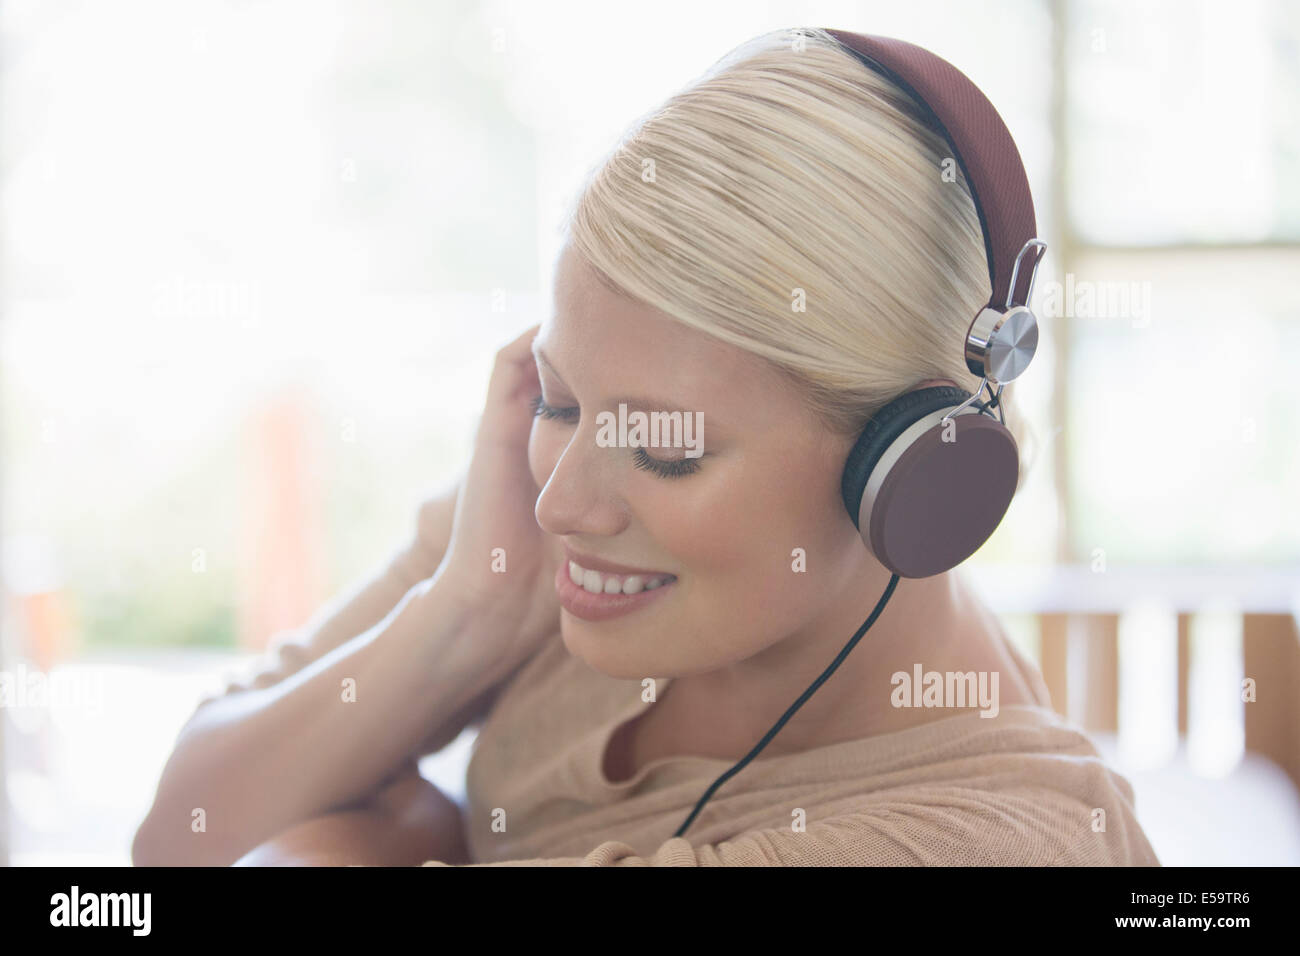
point(790, 166)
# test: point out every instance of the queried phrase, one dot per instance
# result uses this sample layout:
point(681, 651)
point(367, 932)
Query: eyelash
point(542, 410)
point(665, 469)
point(640, 459)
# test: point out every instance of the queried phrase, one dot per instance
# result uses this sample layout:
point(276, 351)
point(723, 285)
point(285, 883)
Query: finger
point(513, 364)
point(513, 384)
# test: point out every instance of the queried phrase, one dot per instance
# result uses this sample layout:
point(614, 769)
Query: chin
point(605, 648)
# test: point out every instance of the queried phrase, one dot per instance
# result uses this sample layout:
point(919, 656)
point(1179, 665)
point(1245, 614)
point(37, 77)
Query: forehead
point(617, 345)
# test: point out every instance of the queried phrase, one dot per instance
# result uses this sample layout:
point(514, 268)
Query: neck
point(728, 710)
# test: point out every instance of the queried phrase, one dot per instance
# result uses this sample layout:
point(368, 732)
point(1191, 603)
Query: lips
point(608, 590)
point(612, 567)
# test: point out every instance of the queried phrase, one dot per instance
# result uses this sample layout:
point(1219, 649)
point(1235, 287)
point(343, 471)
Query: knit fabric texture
point(1022, 788)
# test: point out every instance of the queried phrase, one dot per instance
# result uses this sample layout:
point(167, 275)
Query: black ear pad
point(880, 432)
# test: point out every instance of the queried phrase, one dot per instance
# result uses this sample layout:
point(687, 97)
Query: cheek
point(736, 545)
point(738, 539)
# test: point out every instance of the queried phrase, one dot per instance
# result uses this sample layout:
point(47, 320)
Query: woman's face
point(764, 491)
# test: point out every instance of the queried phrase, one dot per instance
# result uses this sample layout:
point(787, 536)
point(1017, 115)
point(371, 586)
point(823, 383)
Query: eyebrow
point(651, 404)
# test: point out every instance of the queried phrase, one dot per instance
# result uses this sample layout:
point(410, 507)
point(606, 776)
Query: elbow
point(151, 848)
point(155, 844)
point(145, 847)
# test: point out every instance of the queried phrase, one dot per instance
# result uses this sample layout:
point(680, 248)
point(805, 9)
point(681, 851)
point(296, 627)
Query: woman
point(631, 621)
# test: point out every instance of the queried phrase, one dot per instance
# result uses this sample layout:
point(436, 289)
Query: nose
point(581, 494)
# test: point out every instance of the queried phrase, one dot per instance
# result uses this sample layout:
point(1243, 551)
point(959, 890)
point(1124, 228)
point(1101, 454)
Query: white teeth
point(595, 582)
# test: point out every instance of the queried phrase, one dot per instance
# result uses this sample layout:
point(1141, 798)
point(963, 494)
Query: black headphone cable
point(767, 738)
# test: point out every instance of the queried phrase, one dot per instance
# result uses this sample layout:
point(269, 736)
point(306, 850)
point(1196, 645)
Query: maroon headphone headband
point(981, 145)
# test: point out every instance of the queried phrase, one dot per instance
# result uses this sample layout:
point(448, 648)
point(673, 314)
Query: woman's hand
point(498, 562)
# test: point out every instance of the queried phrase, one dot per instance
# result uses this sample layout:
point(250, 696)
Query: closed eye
point(542, 410)
point(677, 468)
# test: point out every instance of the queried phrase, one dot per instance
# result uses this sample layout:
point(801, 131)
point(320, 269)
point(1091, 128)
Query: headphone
point(934, 471)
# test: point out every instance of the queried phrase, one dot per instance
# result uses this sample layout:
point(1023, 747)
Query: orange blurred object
point(45, 628)
point(280, 569)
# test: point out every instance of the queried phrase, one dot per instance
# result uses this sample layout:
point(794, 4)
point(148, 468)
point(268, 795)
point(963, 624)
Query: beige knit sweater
point(1020, 789)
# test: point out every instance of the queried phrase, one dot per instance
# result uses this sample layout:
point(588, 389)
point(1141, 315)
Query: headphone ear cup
point(925, 495)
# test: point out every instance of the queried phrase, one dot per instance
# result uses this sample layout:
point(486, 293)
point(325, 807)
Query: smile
point(596, 582)
point(598, 595)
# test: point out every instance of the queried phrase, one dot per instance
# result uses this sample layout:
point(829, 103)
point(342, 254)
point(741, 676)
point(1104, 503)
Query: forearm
point(411, 822)
point(346, 838)
point(353, 838)
point(342, 618)
point(258, 761)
